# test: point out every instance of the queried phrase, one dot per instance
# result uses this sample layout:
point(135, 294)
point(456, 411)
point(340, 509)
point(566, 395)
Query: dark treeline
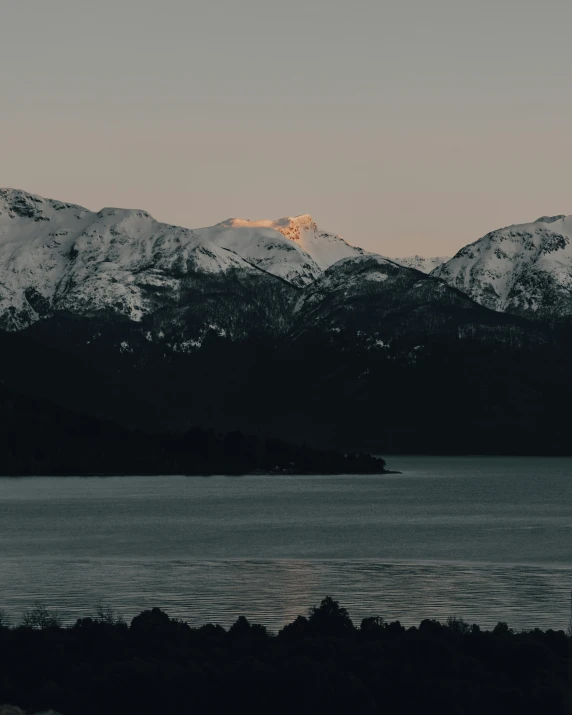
point(38, 437)
point(321, 663)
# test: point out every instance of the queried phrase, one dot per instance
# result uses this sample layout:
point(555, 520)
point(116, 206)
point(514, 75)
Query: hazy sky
point(408, 126)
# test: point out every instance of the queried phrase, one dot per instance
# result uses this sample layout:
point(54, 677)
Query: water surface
point(487, 539)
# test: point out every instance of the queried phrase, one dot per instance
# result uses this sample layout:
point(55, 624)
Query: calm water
point(487, 539)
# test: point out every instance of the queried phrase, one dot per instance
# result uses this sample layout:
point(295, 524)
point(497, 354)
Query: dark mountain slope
point(339, 390)
point(376, 296)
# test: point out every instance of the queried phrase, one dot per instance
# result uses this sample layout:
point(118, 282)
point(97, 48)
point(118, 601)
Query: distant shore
point(255, 473)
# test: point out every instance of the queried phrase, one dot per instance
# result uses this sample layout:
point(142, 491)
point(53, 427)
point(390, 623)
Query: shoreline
point(203, 475)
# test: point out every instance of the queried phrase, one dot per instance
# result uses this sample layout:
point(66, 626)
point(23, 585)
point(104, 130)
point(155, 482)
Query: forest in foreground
point(319, 663)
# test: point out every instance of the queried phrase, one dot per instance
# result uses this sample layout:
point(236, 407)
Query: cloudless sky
point(408, 126)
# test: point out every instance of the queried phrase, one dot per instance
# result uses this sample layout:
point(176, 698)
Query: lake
point(486, 539)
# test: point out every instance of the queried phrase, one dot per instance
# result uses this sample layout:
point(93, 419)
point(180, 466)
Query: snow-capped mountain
point(271, 325)
point(174, 286)
point(56, 256)
point(524, 269)
point(425, 265)
point(265, 248)
point(61, 257)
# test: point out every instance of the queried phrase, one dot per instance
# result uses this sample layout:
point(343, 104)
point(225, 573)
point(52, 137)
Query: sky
point(407, 126)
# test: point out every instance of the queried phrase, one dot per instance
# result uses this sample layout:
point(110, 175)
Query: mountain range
point(281, 328)
point(238, 277)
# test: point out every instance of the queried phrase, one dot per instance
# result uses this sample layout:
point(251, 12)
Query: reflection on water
point(275, 592)
point(485, 539)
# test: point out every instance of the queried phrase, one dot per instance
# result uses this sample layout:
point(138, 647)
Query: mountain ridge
point(242, 275)
point(422, 263)
point(235, 279)
point(60, 256)
point(525, 269)
point(237, 326)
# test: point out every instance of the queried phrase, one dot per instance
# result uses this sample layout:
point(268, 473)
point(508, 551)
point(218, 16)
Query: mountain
point(324, 248)
point(122, 264)
point(376, 296)
point(231, 278)
point(275, 328)
point(524, 269)
point(425, 265)
point(495, 391)
point(173, 286)
point(266, 248)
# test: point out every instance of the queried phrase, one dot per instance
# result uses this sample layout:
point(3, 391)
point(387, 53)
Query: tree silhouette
point(242, 628)
point(297, 630)
point(41, 617)
point(150, 621)
point(330, 619)
point(372, 625)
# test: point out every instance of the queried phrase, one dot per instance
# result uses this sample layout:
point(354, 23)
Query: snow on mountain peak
point(261, 245)
point(284, 225)
point(324, 248)
point(290, 226)
point(55, 255)
point(522, 268)
point(21, 204)
point(60, 256)
point(293, 226)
